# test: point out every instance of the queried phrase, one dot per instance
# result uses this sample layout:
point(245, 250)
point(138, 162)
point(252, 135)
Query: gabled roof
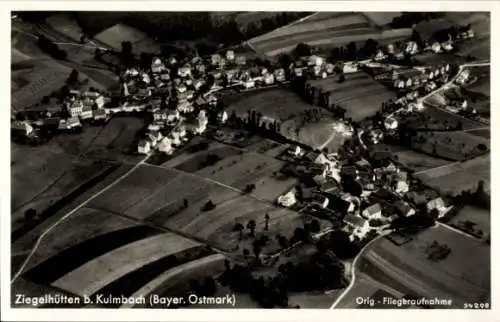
point(354, 220)
point(373, 209)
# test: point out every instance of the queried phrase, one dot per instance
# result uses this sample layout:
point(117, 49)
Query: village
point(181, 98)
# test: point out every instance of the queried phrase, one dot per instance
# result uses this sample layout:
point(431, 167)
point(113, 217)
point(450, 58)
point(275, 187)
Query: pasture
point(115, 35)
point(360, 95)
point(436, 118)
point(459, 176)
point(325, 28)
point(289, 109)
point(450, 278)
point(65, 24)
point(418, 161)
point(381, 19)
point(177, 201)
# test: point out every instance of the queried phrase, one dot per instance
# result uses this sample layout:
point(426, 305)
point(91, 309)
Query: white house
point(462, 77)
point(184, 71)
point(411, 47)
point(241, 60)
point(436, 47)
point(350, 68)
point(165, 146)
point(144, 147)
point(438, 204)
point(99, 115)
point(230, 55)
point(216, 59)
point(268, 79)
point(279, 74)
point(249, 84)
point(76, 108)
point(86, 113)
point(157, 66)
point(145, 78)
point(401, 187)
point(447, 46)
point(73, 122)
point(390, 48)
point(100, 101)
point(391, 123)
point(185, 107)
point(222, 116)
point(22, 128)
point(298, 72)
point(315, 60)
point(154, 137)
point(373, 212)
point(288, 199)
point(379, 56)
point(359, 225)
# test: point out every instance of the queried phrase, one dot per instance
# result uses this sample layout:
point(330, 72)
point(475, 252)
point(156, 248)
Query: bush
point(249, 188)
point(208, 206)
point(30, 214)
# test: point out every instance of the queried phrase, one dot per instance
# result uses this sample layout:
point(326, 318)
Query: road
point(353, 269)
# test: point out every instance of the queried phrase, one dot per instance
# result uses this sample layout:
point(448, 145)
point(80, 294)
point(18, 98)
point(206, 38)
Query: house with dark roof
point(404, 209)
point(372, 212)
point(336, 203)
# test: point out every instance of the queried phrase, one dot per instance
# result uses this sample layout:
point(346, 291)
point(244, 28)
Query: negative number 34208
point(476, 306)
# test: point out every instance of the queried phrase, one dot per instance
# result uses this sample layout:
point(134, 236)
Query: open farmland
point(236, 168)
point(450, 278)
point(459, 176)
point(288, 108)
point(381, 19)
point(114, 36)
point(480, 217)
point(324, 28)
point(49, 176)
point(109, 254)
point(175, 200)
point(455, 146)
point(65, 24)
point(360, 95)
point(418, 161)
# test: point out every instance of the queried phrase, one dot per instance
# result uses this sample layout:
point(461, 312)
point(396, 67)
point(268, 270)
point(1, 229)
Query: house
point(408, 82)
point(155, 137)
point(76, 108)
point(131, 72)
point(360, 225)
point(22, 128)
point(86, 113)
point(287, 200)
point(330, 187)
point(230, 55)
point(155, 126)
point(416, 198)
point(438, 204)
point(379, 56)
point(165, 77)
point(315, 60)
point(185, 107)
point(145, 78)
point(279, 75)
point(329, 68)
point(411, 48)
point(184, 71)
point(436, 47)
point(249, 84)
point(268, 79)
point(338, 204)
point(172, 61)
point(462, 77)
point(165, 146)
point(144, 147)
point(297, 151)
point(400, 187)
point(470, 33)
point(157, 66)
point(404, 209)
point(390, 49)
point(222, 117)
point(391, 123)
point(241, 60)
point(447, 46)
point(99, 115)
point(372, 212)
point(73, 122)
point(215, 59)
point(172, 116)
point(100, 101)
point(298, 72)
point(399, 55)
point(350, 68)
point(350, 171)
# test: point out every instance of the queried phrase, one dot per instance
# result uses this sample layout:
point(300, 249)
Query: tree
point(46, 100)
point(97, 54)
point(351, 50)
point(257, 249)
point(30, 213)
point(246, 252)
point(249, 188)
point(299, 234)
point(341, 78)
point(185, 203)
point(251, 226)
point(264, 239)
point(283, 242)
point(303, 50)
point(266, 222)
point(371, 46)
point(315, 226)
point(73, 77)
point(227, 265)
point(239, 228)
point(415, 36)
point(208, 206)
point(127, 47)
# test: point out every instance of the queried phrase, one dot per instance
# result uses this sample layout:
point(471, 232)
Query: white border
point(239, 314)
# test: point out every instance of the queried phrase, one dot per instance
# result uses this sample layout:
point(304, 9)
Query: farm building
point(359, 94)
point(373, 212)
point(21, 128)
point(144, 147)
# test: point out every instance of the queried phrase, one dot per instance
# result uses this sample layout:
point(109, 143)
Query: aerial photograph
point(263, 159)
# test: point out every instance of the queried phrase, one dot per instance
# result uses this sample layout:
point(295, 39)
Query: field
point(381, 18)
point(65, 24)
point(236, 168)
point(109, 254)
point(114, 36)
point(429, 59)
point(462, 281)
point(455, 146)
point(482, 85)
point(459, 176)
point(360, 95)
point(112, 141)
point(175, 200)
point(418, 161)
point(436, 117)
point(481, 218)
point(40, 178)
point(288, 108)
point(325, 28)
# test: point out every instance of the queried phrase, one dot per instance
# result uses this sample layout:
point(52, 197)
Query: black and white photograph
point(250, 159)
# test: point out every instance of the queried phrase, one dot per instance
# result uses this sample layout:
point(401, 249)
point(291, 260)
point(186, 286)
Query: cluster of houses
point(363, 196)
